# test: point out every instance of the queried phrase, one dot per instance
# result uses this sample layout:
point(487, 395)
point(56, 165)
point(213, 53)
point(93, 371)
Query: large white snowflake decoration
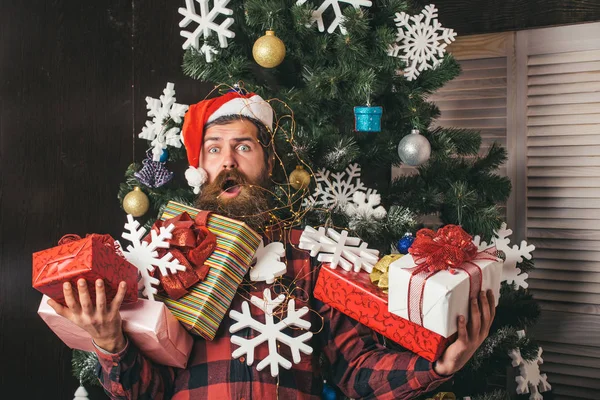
point(336, 190)
point(160, 110)
point(364, 207)
point(514, 255)
point(421, 41)
point(335, 248)
point(206, 25)
point(317, 15)
point(268, 262)
point(270, 332)
point(530, 379)
point(145, 257)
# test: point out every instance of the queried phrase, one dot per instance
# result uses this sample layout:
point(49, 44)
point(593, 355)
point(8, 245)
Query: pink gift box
point(148, 324)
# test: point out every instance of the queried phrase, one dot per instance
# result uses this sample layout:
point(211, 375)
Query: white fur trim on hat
point(196, 177)
point(254, 107)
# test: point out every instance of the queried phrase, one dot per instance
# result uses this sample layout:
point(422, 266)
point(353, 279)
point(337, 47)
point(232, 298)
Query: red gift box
point(354, 295)
point(91, 258)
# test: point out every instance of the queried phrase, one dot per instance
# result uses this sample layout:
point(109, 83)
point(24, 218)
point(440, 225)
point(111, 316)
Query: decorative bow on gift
point(192, 243)
point(447, 249)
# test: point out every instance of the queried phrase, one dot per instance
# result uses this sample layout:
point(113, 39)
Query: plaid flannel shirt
point(359, 365)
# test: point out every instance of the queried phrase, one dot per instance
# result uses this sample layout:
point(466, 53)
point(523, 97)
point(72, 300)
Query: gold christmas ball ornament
point(136, 202)
point(299, 178)
point(268, 50)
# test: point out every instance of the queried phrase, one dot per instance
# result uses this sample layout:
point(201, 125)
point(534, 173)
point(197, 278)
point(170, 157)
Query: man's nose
point(229, 161)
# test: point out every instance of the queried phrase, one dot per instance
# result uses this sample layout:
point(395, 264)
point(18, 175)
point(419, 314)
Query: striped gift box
point(203, 308)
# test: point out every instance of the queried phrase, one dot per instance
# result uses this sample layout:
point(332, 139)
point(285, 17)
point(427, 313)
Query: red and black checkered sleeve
point(363, 368)
point(129, 375)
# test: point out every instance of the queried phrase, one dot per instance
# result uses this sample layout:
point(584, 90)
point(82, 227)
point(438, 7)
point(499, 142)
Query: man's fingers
point(462, 329)
point(474, 318)
point(59, 308)
point(70, 300)
point(100, 297)
point(84, 297)
point(116, 303)
point(485, 313)
point(492, 303)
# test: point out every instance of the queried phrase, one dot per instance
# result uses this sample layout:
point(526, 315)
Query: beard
point(251, 205)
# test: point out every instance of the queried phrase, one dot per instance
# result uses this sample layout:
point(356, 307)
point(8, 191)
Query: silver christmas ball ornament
point(414, 149)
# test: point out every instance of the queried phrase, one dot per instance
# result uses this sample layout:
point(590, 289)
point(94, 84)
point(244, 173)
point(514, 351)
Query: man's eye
point(213, 150)
point(244, 147)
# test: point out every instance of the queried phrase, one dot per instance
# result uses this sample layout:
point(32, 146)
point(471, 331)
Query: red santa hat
point(198, 115)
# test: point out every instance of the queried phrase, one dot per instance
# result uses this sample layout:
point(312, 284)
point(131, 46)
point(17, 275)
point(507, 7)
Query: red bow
point(449, 247)
point(192, 243)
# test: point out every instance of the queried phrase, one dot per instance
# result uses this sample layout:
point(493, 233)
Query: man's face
point(233, 146)
point(237, 173)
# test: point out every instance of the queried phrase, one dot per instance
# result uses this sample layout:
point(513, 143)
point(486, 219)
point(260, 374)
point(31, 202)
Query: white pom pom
point(196, 177)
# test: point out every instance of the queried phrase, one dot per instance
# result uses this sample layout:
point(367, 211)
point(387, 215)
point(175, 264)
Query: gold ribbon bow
point(379, 276)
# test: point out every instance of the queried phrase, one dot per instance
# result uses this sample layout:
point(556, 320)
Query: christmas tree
point(325, 64)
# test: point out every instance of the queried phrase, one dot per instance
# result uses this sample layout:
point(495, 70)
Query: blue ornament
point(367, 118)
point(404, 244)
point(164, 156)
point(328, 393)
point(237, 88)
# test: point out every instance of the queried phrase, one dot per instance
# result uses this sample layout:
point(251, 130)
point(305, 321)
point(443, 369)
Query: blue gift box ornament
point(367, 118)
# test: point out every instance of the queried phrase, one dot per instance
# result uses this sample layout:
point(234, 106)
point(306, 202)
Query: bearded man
point(230, 152)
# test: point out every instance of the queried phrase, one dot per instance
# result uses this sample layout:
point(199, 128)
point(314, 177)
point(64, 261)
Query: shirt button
point(242, 359)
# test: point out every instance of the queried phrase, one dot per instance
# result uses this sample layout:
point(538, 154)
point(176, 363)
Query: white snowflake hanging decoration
point(421, 41)
point(161, 110)
point(207, 24)
point(271, 332)
point(317, 15)
point(513, 255)
point(336, 190)
point(364, 207)
point(530, 379)
point(268, 262)
point(145, 257)
point(334, 248)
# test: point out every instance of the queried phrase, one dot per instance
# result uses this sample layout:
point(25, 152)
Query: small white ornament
point(270, 332)
point(365, 207)
point(514, 255)
point(81, 394)
point(317, 15)
point(161, 110)
point(268, 262)
point(336, 190)
point(530, 379)
point(335, 248)
point(206, 25)
point(145, 257)
point(422, 41)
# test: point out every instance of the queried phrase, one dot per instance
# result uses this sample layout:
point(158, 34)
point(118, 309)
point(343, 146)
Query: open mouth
point(230, 188)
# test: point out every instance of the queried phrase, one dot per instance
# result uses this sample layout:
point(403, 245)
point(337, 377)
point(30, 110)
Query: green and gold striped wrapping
point(203, 308)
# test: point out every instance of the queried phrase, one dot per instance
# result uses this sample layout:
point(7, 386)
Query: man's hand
point(470, 336)
point(102, 323)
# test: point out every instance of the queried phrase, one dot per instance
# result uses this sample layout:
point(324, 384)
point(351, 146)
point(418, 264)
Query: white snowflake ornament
point(270, 332)
point(317, 15)
point(145, 257)
point(513, 255)
point(161, 110)
point(530, 379)
point(421, 41)
point(268, 262)
point(334, 248)
point(336, 190)
point(365, 207)
point(207, 24)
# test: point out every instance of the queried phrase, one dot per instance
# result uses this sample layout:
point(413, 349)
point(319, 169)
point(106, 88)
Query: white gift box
point(445, 296)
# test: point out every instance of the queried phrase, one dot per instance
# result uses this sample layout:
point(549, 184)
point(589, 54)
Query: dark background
point(73, 79)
